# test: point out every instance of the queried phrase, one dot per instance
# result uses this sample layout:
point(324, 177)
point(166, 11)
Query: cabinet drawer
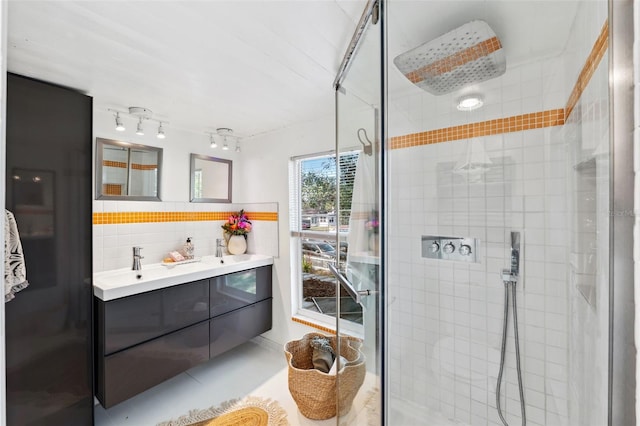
point(232, 329)
point(136, 369)
point(233, 291)
point(135, 319)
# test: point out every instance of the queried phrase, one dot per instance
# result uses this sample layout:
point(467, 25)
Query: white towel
point(15, 272)
point(363, 207)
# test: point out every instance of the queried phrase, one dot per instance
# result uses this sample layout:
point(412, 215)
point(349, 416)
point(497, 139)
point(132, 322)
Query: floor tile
point(249, 369)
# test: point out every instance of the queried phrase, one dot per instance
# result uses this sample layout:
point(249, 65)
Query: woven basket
point(314, 391)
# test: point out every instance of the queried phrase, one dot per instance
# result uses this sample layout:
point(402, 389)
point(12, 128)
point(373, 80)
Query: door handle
point(356, 295)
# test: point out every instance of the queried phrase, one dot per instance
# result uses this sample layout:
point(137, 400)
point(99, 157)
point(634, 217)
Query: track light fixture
point(119, 126)
point(226, 133)
point(141, 114)
point(237, 146)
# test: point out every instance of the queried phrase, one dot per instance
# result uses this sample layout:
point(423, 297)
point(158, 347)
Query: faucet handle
point(136, 251)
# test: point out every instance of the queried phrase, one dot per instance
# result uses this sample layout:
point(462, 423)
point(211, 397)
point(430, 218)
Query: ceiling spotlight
point(213, 142)
point(160, 132)
point(140, 131)
point(237, 146)
point(469, 103)
point(119, 125)
point(224, 132)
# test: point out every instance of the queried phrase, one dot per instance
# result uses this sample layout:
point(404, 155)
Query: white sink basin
point(119, 283)
point(231, 259)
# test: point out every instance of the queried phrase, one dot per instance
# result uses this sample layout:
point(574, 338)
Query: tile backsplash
point(164, 226)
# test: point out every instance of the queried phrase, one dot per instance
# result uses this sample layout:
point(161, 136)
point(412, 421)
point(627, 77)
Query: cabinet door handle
point(356, 295)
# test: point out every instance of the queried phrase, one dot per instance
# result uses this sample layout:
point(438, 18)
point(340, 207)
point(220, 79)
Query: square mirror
point(210, 179)
point(127, 171)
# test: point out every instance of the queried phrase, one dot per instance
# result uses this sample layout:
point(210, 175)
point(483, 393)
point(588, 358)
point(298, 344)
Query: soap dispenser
point(188, 249)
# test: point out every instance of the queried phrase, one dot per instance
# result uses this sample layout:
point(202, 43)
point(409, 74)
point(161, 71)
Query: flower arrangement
point(373, 224)
point(237, 224)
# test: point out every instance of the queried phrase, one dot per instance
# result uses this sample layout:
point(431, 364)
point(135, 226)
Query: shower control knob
point(449, 248)
point(465, 250)
point(435, 247)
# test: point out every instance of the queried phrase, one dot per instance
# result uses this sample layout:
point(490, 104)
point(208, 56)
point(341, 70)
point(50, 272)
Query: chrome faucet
point(136, 259)
point(218, 247)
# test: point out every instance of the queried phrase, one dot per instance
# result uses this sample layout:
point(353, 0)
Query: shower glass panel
point(359, 308)
point(534, 159)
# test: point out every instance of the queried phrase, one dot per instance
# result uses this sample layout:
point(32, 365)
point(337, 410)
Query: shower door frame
point(374, 9)
point(622, 351)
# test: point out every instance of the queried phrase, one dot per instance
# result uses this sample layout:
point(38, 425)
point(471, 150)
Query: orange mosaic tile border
point(535, 120)
point(112, 189)
point(135, 166)
point(118, 164)
point(592, 62)
point(516, 123)
point(112, 218)
point(314, 325)
point(361, 215)
point(456, 60)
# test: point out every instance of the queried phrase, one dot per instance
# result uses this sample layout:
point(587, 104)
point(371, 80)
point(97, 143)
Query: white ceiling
point(254, 66)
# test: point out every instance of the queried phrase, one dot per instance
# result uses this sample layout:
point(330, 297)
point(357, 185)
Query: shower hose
point(511, 284)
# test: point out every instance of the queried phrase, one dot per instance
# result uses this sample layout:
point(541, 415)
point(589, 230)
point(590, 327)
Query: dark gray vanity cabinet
point(145, 339)
point(142, 317)
point(234, 328)
point(233, 291)
point(240, 308)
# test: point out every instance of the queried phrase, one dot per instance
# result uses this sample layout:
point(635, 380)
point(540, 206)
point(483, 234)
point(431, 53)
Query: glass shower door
point(359, 312)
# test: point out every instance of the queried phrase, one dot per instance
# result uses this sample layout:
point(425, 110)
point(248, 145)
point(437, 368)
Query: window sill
point(326, 327)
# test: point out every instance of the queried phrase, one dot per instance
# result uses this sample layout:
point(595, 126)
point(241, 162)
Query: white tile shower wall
point(446, 317)
point(587, 132)
point(112, 244)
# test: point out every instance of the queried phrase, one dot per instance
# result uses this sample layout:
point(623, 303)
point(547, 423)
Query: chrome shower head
point(465, 55)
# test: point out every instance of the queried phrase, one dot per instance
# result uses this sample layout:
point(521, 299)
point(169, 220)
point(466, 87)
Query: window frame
point(298, 234)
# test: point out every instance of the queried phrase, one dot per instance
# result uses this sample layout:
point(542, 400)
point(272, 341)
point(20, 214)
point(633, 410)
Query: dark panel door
point(48, 324)
point(233, 291)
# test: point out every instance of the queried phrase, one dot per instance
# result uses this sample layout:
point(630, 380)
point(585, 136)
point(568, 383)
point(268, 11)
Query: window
point(197, 184)
point(314, 221)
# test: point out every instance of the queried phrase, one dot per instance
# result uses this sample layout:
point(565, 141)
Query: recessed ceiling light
point(469, 103)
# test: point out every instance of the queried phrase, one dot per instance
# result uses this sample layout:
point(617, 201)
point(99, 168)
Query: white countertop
point(110, 285)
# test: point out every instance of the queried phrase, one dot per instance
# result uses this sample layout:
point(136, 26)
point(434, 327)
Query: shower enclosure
point(543, 157)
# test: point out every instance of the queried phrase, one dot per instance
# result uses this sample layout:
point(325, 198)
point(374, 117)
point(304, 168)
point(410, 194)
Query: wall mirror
point(210, 179)
point(127, 171)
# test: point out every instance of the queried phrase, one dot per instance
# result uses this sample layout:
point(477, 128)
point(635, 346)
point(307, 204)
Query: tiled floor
point(250, 369)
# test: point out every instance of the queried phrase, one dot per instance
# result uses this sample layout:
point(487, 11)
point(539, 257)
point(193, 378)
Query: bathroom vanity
point(156, 323)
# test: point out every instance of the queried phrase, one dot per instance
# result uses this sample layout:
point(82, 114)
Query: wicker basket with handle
point(314, 391)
